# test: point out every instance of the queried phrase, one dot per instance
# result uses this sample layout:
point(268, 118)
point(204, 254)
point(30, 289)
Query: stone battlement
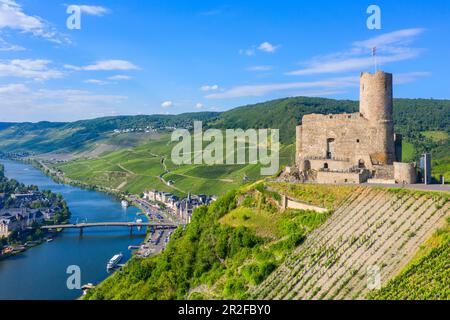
point(331, 117)
point(365, 139)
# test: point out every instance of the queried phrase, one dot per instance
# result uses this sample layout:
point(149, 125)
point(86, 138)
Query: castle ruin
point(358, 147)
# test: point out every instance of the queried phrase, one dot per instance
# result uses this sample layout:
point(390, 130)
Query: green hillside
point(79, 136)
point(427, 276)
point(244, 247)
point(148, 166)
point(230, 247)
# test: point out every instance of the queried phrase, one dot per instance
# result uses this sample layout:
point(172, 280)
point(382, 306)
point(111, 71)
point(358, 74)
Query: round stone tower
point(376, 105)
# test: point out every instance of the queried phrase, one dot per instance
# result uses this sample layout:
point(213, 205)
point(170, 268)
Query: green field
point(408, 152)
point(149, 166)
point(437, 136)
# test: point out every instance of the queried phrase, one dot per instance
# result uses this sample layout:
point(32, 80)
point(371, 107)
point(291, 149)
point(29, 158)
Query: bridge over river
point(131, 225)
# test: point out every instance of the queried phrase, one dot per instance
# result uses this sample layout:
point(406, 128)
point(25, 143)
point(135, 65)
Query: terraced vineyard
point(372, 228)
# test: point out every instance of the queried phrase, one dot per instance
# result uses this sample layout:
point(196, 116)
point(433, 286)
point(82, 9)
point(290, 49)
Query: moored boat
point(114, 261)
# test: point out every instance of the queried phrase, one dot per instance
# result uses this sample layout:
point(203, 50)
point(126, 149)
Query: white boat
point(114, 261)
point(125, 204)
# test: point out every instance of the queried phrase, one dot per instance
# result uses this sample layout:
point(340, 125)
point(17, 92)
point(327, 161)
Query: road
point(422, 187)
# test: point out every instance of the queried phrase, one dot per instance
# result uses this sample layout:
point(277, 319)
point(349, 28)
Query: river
point(40, 272)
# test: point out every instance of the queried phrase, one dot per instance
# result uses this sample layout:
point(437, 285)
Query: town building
point(182, 208)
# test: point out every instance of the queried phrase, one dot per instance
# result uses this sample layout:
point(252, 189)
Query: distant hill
point(420, 121)
point(76, 136)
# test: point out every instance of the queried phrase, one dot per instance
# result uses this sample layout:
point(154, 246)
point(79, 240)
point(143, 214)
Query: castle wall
point(288, 203)
point(376, 105)
point(352, 139)
point(298, 143)
point(330, 164)
point(405, 173)
point(341, 177)
point(331, 145)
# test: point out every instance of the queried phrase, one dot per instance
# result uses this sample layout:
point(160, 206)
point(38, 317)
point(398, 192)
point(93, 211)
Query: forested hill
point(412, 117)
point(76, 136)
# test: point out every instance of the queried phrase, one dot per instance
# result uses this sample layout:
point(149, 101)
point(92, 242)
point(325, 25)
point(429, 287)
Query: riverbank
point(24, 211)
point(41, 273)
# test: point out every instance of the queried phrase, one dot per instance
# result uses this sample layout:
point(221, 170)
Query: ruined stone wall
point(367, 136)
point(352, 138)
point(330, 164)
point(298, 144)
point(405, 173)
point(287, 203)
point(341, 177)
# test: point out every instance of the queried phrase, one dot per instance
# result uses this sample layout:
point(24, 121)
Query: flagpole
point(374, 54)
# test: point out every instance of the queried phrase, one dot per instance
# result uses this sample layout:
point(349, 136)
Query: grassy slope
point(137, 169)
point(229, 248)
point(427, 276)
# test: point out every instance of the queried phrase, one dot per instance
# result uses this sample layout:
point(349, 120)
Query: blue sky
point(173, 56)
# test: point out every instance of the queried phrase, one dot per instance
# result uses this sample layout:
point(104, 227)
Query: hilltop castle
point(358, 147)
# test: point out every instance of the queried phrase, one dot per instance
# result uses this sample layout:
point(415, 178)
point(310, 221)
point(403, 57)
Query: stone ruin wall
point(367, 136)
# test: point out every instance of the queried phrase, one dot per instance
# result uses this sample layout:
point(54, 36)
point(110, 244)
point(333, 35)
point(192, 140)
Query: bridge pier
point(81, 231)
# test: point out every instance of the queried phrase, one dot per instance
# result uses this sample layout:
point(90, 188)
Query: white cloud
point(400, 37)
point(167, 104)
point(391, 47)
point(28, 68)
point(13, 88)
point(353, 64)
point(94, 10)
point(77, 96)
point(5, 46)
point(209, 87)
point(268, 47)
point(96, 81)
point(259, 68)
point(20, 103)
point(199, 106)
point(324, 87)
point(119, 78)
point(264, 89)
point(403, 78)
point(105, 65)
point(13, 17)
